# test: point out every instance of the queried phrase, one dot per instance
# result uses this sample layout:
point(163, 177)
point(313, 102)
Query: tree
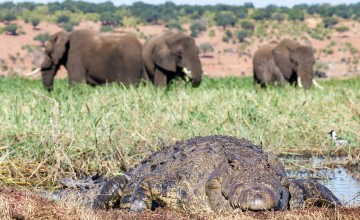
point(247, 25)
point(11, 29)
point(296, 14)
point(329, 22)
point(224, 19)
point(206, 47)
point(8, 17)
point(242, 34)
point(42, 38)
point(197, 27)
point(69, 26)
point(174, 24)
point(62, 19)
point(35, 22)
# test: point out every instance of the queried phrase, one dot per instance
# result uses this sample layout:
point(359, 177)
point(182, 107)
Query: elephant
point(284, 61)
point(169, 55)
point(93, 58)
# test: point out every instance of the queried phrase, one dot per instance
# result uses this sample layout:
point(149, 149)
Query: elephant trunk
point(48, 72)
point(192, 68)
point(306, 74)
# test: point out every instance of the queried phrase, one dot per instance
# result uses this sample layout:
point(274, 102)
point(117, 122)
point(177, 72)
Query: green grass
point(84, 129)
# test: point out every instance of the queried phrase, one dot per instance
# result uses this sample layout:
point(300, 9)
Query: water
point(338, 179)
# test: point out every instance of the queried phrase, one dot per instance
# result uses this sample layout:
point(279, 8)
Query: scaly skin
point(204, 174)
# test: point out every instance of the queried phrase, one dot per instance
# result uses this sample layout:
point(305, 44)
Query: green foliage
point(296, 14)
point(88, 129)
point(224, 19)
point(68, 26)
point(42, 38)
point(206, 47)
point(197, 27)
point(329, 22)
point(35, 21)
point(106, 28)
point(11, 29)
point(342, 29)
point(278, 17)
point(174, 24)
point(261, 14)
point(242, 34)
point(62, 19)
point(109, 19)
point(320, 32)
point(247, 25)
point(211, 33)
point(8, 17)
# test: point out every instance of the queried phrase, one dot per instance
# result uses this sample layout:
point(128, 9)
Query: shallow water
point(338, 179)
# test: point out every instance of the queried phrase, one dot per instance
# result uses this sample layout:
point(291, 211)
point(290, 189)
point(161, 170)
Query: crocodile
point(211, 174)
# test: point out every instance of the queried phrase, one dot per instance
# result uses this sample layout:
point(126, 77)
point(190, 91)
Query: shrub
point(197, 27)
point(68, 27)
point(341, 29)
point(206, 47)
point(106, 28)
point(8, 18)
point(62, 19)
point(329, 22)
point(11, 29)
point(242, 34)
point(224, 19)
point(247, 25)
point(35, 22)
point(212, 33)
point(42, 38)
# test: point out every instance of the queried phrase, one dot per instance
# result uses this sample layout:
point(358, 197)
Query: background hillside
point(227, 35)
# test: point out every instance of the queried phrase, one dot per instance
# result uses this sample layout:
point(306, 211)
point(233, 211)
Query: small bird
point(337, 140)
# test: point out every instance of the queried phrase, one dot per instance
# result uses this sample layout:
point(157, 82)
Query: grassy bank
point(45, 136)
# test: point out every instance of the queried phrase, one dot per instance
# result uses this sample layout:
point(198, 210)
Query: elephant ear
point(281, 55)
point(162, 56)
point(59, 42)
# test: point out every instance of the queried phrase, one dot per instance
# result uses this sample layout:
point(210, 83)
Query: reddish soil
point(228, 59)
point(17, 204)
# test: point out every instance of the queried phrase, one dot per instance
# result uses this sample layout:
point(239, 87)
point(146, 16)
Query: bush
point(342, 29)
point(329, 22)
point(242, 34)
point(8, 18)
point(35, 22)
point(174, 24)
point(42, 38)
point(68, 27)
point(197, 27)
point(206, 47)
point(11, 29)
point(224, 19)
point(247, 25)
point(62, 19)
point(106, 28)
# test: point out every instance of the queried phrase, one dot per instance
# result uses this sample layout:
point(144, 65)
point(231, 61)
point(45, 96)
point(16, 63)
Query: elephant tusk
point(187, 72)
point(299, 82)
point(317, 84)
point(37, 70)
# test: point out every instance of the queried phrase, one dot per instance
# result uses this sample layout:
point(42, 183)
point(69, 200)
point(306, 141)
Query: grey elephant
point(93, 58)
point(287, 61)
point(169, 55)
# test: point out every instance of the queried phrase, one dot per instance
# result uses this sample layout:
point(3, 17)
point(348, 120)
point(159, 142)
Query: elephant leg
point(279, 76)
point(160, 79)
point(76, 72)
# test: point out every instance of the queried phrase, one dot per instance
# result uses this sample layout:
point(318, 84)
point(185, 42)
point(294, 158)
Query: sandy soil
point(228, 59)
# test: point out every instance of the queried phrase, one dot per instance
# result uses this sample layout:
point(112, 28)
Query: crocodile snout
point(256, 199)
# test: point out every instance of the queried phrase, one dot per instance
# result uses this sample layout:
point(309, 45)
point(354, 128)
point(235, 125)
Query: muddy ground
point(19, 204)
